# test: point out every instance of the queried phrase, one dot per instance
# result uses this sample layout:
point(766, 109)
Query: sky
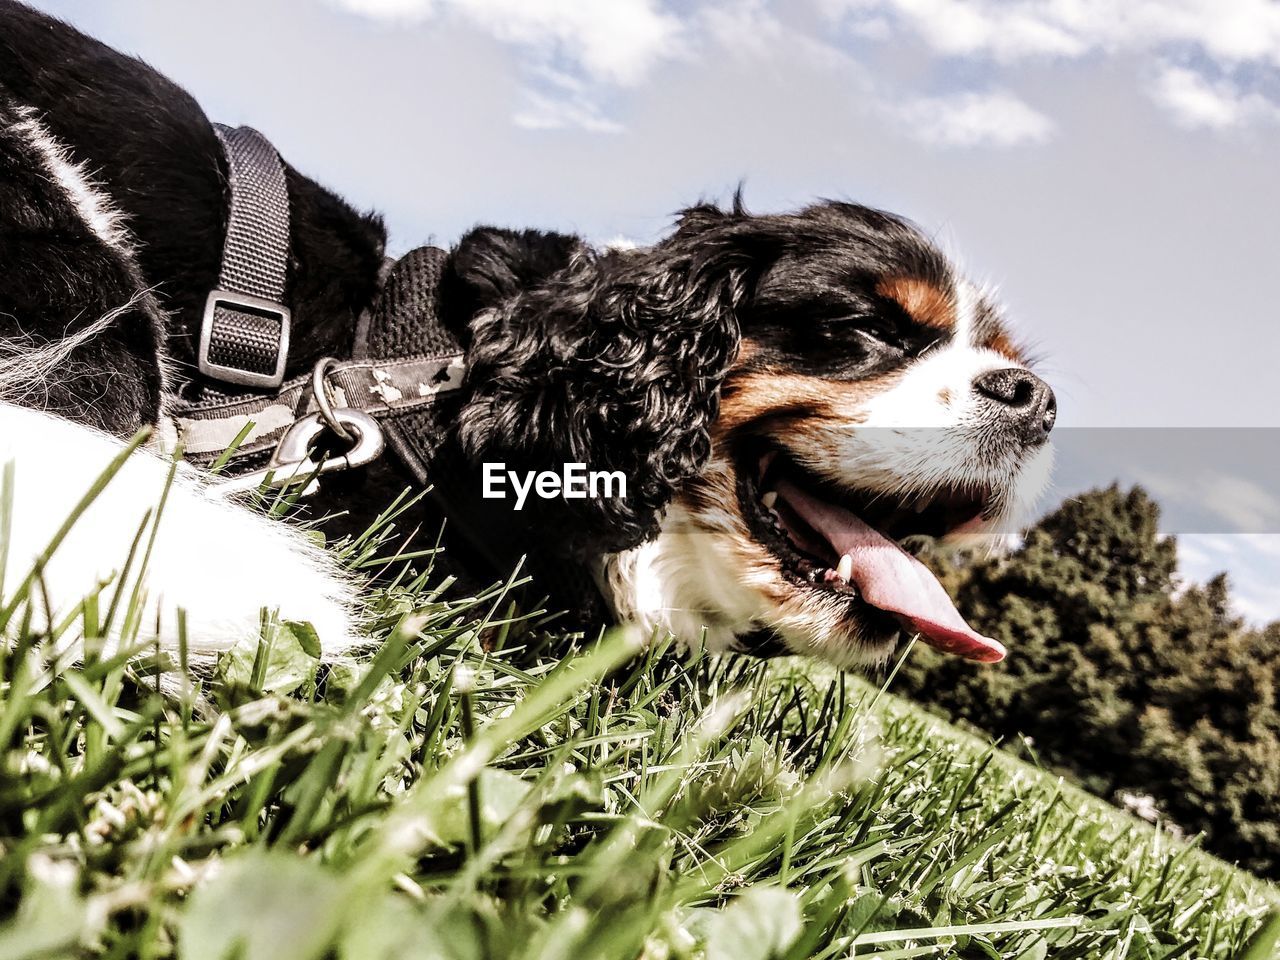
point(1109, 167)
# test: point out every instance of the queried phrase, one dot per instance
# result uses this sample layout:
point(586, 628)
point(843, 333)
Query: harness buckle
point(244, 339)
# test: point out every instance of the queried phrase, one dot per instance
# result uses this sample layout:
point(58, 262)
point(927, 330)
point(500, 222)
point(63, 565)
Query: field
point(472, 790)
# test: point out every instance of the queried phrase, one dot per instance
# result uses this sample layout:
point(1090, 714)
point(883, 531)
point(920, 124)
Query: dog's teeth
point(769, 498)
point(844, 569)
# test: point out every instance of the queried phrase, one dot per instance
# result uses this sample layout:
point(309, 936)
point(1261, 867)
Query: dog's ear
point(614, 361)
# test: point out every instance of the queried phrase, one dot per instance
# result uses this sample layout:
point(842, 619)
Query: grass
point(481, 787)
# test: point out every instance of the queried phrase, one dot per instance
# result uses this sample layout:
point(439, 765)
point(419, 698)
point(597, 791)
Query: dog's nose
point(1025, 401)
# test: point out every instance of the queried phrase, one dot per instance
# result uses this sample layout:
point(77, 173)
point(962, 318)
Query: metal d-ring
point(293, 461)
point(320, 390)
point(295, 447)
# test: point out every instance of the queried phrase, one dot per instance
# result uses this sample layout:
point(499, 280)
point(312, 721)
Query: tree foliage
point(1120, 675)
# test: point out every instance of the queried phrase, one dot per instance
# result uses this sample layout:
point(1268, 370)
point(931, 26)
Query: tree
point(1121, 678)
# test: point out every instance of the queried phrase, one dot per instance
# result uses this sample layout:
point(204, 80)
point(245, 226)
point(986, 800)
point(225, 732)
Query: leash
point(255, 424)
point(293, 460)
point(265, 430)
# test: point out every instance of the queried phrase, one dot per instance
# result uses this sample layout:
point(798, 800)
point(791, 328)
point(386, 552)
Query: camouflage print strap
point(380, 388)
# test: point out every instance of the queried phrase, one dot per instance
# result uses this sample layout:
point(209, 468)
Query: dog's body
point(111, 217)
point(785, 395)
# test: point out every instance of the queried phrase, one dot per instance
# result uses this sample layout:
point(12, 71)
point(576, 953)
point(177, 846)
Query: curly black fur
point(491, 265)
point(615, 360)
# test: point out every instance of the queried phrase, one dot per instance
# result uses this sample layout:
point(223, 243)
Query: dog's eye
point(860, 336)
point(858, 325)
point(879, 337)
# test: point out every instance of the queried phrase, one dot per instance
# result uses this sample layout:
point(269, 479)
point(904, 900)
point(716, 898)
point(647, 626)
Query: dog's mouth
point(847, 543)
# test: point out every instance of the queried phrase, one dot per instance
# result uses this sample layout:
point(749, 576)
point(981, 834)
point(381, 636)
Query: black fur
point(614, 360)
point(59, 279)
point(491, 265)
point(817, 311)
point(153, 148)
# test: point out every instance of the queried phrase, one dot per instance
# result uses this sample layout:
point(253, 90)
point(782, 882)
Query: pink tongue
point(894, 581)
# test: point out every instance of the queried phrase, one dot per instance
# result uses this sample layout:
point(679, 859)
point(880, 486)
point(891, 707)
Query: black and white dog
point(787, 396)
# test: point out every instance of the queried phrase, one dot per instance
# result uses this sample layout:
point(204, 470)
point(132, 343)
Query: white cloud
point(578, 53)
point(573, 42)
point(1250, 558)
point(1239, 504)
point(607, 45)
point(1231, 35)
point(617, 42)
point(744, 26)
point(1267, 544)
point(621, 241)
point(1238, 31)
point(1259, 608)
point(749, 28)
point(1196, 101)
point(966, 27)
point(561, 113)
point(994, 118)
point(391, 10)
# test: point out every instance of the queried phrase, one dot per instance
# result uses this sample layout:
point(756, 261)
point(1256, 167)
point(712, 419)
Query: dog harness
point(243, 417)
point(244, 335)
point(401, 388)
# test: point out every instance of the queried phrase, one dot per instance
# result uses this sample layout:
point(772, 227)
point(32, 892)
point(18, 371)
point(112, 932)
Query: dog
point(785, 398)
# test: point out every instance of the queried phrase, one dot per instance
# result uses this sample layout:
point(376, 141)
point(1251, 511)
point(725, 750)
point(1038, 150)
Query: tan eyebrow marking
point(1003, 344)
point(749, 397)
point(926, 303)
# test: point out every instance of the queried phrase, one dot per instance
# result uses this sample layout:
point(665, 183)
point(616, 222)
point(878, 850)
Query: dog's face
point(790, 396)
point(876, 397)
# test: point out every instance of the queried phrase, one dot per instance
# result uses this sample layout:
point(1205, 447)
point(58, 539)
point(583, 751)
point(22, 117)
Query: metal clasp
point(293, 461)
point(246, 308)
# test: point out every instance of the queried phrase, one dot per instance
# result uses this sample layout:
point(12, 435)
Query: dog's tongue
point(891, 579)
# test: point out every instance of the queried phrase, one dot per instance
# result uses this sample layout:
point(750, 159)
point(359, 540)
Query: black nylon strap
point(244, 338)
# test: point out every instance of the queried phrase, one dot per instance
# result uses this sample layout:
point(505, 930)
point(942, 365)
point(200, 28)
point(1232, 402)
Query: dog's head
point(790, 397)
